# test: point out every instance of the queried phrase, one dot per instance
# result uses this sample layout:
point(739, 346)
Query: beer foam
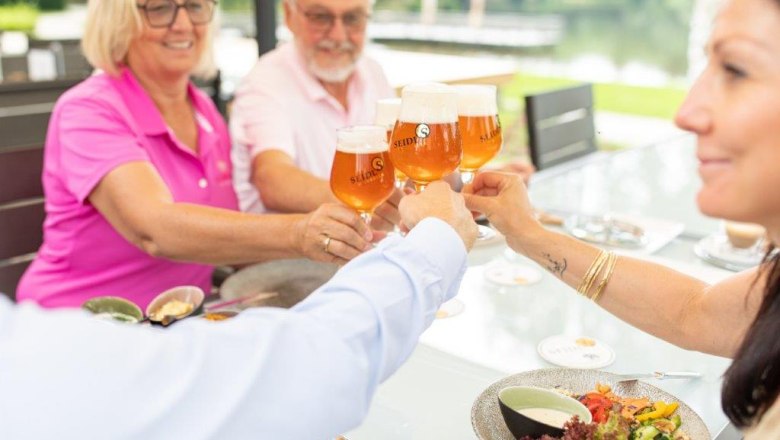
point(476, 100)
point(387, 111)
point(362, 139)
point(431, 103)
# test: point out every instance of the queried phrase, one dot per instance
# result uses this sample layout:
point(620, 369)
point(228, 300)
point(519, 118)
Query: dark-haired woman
point(734, 109)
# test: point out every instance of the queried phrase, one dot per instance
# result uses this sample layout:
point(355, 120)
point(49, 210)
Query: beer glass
point(426, 144)
point(362, 174)
point(387, 115)
point(479, 126)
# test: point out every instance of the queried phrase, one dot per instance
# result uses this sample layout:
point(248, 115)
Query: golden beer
point(362, 175)
point(400, 177)
point(429, 158)
point(482, 140)
point(479, 127)
point(426, 143)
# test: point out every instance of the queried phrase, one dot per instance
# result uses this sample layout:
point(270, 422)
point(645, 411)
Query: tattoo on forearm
point(555, 266)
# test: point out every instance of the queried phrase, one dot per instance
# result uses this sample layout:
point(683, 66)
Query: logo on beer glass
point(422, 131)
point(378, 164)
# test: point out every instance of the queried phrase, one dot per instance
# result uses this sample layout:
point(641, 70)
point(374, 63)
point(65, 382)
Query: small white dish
point(576, 352)
point(453, 307)
point(511, 274)
point(718, 251)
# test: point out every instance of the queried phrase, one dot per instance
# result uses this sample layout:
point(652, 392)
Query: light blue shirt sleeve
point(304, 373)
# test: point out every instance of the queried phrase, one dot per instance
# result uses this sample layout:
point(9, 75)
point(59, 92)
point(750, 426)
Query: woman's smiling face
point(734, 109)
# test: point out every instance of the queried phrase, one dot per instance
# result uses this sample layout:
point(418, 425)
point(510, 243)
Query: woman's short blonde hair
point(111, 26)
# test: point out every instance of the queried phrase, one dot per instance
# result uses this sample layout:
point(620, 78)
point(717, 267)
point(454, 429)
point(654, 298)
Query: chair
point(13, 68)
point(560, 125)
point(21, 212)
point(25, 109)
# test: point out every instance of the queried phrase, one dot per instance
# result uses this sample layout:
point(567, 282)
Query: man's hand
point(439, 201)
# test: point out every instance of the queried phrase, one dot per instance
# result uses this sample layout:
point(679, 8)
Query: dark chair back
point(560, 125)
point(25, 109)
point(21, 212)
point(14, 68)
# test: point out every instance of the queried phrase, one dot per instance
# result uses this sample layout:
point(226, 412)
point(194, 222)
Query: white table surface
point(498, 332)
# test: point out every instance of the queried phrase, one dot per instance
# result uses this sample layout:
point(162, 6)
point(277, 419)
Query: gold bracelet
point(607, 276)
point(587, 279)
point(590, 274)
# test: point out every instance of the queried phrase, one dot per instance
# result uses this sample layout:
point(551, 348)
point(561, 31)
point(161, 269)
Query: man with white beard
point(287, 109)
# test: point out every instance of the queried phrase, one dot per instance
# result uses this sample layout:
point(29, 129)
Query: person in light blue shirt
point(304, 373)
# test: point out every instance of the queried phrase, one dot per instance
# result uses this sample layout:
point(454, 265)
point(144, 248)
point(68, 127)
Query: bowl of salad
point(624, 411)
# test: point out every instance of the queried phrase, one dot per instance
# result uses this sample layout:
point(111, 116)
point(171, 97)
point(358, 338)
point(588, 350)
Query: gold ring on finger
point(326, 243)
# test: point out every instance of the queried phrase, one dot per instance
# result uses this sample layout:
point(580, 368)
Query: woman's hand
point(333, 233)
point(504, 201)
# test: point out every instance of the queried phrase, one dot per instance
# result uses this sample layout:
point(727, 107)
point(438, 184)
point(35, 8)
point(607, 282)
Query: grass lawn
point(655, 102)
point(18, 17)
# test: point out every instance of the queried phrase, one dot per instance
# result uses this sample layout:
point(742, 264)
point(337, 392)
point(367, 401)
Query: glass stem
point(366, 216)
point(467, 177)
point(420, 186)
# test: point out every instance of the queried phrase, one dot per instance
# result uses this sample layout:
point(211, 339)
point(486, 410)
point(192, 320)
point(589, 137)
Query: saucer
point(450, 308)
point(718, 251)
point(606, 230)
point(576, 352)
point(511, 274)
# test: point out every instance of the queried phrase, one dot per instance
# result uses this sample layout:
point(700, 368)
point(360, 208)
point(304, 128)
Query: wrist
point(298, 232)
point(526, 238)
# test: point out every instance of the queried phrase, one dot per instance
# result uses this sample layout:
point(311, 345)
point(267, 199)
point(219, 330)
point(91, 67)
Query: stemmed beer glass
point(480, 132)
point(387, 111)
point(480, 129)
point(426, 143)
point(362, 174)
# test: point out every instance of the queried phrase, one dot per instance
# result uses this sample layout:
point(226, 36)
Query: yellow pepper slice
point(670, 409)
point(659, 408)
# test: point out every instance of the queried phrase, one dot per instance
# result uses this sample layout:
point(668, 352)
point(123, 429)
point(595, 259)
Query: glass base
point(485, 233)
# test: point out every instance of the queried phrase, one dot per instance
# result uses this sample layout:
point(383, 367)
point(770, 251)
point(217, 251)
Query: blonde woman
point(137, 173)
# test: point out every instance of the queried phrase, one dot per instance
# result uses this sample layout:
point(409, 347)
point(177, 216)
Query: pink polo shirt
point(279, 105)
point(96, 126)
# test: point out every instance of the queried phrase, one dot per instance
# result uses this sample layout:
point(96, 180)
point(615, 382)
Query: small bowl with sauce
point(531, 411)
point(114, 308)
point(175, 304)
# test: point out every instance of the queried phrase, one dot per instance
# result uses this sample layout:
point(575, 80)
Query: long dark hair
point(752, 382)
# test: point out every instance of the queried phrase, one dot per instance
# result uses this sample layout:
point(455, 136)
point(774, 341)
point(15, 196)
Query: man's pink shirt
point(281, 106)
point(100, 124)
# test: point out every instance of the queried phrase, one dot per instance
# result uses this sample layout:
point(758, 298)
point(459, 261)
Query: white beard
point(329, 74)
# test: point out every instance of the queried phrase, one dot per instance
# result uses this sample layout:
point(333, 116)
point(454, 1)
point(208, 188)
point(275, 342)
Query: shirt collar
point(146, 114)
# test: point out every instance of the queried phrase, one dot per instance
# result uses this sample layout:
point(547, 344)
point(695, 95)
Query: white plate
point(488, 423)
point(453, 307)
point(511, 274)
point(717, 250)
point(576, 352)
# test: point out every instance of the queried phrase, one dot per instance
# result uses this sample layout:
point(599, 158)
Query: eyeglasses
point(162, 13)
point(322, 21)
